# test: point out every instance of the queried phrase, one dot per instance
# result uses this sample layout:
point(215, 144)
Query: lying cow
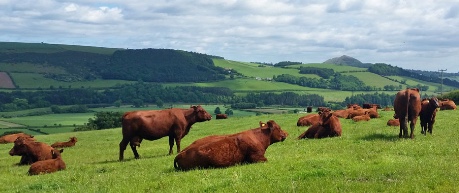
point(48, 166)
point(427, 114)
point(447, 105)
point(393, 122)
point(308, 120)
point(365, 117)
point(221, 116)
point(328, 126)
point(31, 151)
point(69, 143)
point(228, 150)
point(9, 138)
point(155, 124)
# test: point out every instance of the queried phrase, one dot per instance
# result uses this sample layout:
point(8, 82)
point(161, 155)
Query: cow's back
point(151, 125)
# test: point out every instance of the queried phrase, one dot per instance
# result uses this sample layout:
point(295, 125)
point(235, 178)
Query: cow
point(9, 138)
point(328, 126)
point(372, 112)
point(309, 109)
point(308, 120)
point(69, 143)
point(427, 115)
point(369, 106)
point(221, 116)
point(393, 122)
point(227, 150)
point(49, 165)
point(407, 105)
point(365, 117)
point(31, 151)
point(447, 105)
point(155, 124)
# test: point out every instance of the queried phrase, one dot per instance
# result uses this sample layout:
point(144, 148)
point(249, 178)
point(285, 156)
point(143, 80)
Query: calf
point(9, 138)
point(308, 120)
point(427, 114)
point(31, 151)
point(48, 166)
point(228, 150)
point(69, 143)
point(365, 117)
point(328, 126)
point(393, 122)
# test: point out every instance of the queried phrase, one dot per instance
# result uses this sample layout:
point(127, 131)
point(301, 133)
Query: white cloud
point(408, 33)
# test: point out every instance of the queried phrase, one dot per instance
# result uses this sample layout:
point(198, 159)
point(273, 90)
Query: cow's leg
point(257, 157)
point(430, 127)
point(123, 145)
point(403, 128)
point(177, 141)
point(412, 125)
point(134, 149)
point(171, 144)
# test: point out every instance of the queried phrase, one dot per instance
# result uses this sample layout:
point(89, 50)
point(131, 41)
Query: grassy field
point(369, 157)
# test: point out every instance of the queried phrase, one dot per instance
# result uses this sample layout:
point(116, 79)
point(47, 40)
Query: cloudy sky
point(412, 34)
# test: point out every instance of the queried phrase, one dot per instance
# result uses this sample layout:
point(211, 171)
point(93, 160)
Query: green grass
point(336, 68)
point(369, 157)
point(51, 119)
point(30, 68)
point(432, 86)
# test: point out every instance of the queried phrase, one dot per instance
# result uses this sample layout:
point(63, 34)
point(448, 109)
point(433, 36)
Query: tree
point(217, 110)
point(229, 111)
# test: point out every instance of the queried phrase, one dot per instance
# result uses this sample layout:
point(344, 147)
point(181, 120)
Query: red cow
point(228, 150)
point(365, 117)
point(447, 105)
point(155, 124)
point(427, 114)
point(69, 143)
point(31, 151)
point(328, 126)
point(221, 116)
point(407, 105)
point(393, 122)
point(308, 120)
point(48, 166)
point(9, 138)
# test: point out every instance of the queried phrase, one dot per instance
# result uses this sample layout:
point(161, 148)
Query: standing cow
point(427, 114)
point(407, 105)
point(228, 150)
point(155, 124)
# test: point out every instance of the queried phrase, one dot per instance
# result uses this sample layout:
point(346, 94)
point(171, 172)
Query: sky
point(411, 34)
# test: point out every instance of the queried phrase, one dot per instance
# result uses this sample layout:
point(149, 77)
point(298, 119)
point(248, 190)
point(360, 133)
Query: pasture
point(369, 157)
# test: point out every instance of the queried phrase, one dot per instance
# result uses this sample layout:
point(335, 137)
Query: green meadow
point(368, 157)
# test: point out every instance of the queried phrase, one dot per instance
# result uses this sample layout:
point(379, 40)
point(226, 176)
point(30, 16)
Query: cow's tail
point(407, 93)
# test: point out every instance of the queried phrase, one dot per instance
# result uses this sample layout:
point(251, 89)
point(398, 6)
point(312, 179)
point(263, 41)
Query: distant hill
point(348, 61)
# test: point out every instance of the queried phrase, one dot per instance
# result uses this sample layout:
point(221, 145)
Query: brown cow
point(372, 112)
point(69, 143)
point(427, 114)
point(31, 151)
point(9, 138)
point(155, 124)
point(365, 117)
point(328, 126)
point(48, 166)
point(228, 150)
point(309, 109)
point(447, 105)
point(407, 105)
point(308, 120)
point(393, 122)
point(221, 116)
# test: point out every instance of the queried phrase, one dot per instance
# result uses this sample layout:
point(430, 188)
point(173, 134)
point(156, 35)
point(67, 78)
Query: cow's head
point(201, 114)
point(56, 153)
point(325, 116)
point(434, 102)
point(19, 147)
point(277, 134)
point(73, 139)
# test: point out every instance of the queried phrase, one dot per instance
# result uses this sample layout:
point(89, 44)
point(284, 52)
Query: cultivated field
point(5, 81)
point(369, 157)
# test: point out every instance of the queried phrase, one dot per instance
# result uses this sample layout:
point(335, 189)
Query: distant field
point(17, 47)
point(336, 68)
point(5, 81)
point(31, 68)
point(433, 87)
point(371, 79)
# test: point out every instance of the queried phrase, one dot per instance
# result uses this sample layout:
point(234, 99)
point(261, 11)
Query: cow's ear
point(262, 124)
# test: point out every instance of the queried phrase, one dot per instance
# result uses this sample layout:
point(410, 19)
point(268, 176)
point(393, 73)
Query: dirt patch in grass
point(5, 81)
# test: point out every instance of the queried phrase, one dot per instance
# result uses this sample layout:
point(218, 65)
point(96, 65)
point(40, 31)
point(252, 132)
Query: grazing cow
point(427, 114)
point(365, 117)
point(69, 143)
point(48, 166)
point(447, 105)
point(228, 150)
point(393, 122)
point(31, 151)
point(221, 116)
point(328, 126)
point(407, 105)
point(308, 120)
point(9, 138)
point(155, 124)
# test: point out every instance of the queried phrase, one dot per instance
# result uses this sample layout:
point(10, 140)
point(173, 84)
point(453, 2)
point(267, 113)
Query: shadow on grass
point(381, 137)
point(129, 159)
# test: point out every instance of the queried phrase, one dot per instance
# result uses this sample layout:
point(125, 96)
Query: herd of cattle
point(227, 150)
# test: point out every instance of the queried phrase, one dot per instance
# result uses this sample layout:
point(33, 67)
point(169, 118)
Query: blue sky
point(411, 34)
